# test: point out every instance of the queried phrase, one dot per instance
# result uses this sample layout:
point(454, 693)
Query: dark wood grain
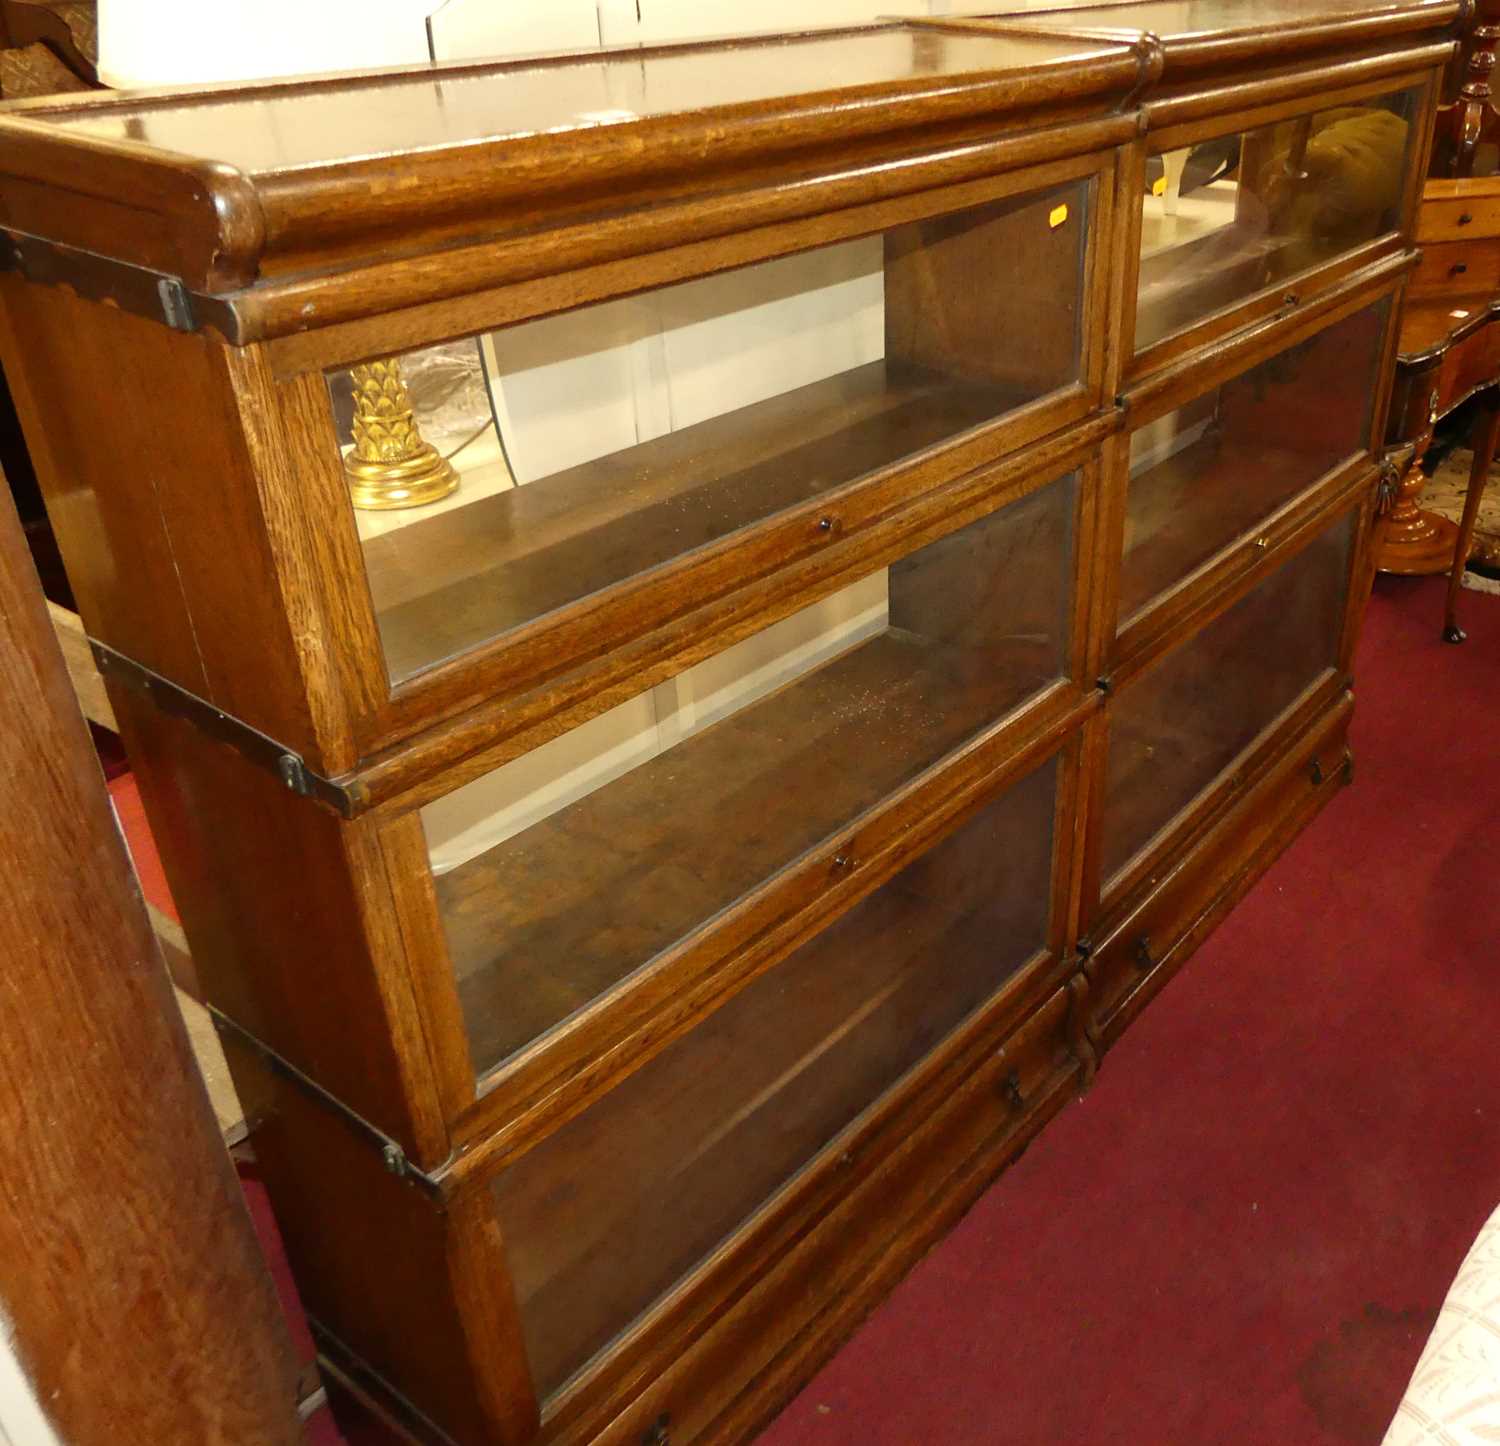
point(139, 1302)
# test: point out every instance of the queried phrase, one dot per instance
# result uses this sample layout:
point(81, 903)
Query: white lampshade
point(182, 42)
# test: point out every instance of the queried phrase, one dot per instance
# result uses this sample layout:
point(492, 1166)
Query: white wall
point(165, 42)
point(22, 1422)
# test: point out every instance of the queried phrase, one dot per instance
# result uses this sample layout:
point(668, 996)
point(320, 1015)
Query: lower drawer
point(1140, 944)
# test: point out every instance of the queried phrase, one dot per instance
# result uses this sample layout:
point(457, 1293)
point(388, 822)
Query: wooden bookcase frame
point(247, 673)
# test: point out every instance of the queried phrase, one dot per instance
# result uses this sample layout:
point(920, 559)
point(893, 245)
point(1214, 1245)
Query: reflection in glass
point(614, 439)
point(1178, 726)
point(612, 1209)
point(1206, 474)
point(1233, 214)
point(566, 870)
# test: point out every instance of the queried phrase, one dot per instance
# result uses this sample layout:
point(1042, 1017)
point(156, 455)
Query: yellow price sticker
point(1057, 216)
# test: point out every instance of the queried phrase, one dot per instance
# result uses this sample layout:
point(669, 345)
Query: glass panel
point(1236, 213)
point(596, 445)
point(606, 1214)
point(1205, 475)
point(567, 869)
point(1175, 729)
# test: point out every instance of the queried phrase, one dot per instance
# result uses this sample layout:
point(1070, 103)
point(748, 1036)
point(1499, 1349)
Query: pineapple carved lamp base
point(391, 465)
point(383, 486)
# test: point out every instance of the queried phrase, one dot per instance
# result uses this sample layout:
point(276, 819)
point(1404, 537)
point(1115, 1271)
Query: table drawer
point(1460, 269)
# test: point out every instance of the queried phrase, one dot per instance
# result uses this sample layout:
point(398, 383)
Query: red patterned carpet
point(1242, 1234)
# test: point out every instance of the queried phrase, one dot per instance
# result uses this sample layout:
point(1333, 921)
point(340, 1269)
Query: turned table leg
point(1486, 428)
point(1415, 543)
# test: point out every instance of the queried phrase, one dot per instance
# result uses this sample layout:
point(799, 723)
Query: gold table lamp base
point(391, 465)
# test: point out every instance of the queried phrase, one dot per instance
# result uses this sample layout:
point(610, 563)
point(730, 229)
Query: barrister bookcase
point(701, 627)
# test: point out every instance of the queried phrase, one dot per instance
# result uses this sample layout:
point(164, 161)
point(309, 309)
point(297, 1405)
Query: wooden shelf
point(550, 919)
point(730, 1112)
point(470, 574)
point(1191, 505)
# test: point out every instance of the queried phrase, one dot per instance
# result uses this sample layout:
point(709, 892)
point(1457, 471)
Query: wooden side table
point(1449, 351)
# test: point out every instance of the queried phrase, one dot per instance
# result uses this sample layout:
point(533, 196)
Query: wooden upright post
point(130, 1282)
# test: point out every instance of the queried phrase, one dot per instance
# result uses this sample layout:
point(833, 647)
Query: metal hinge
point(286, 763)
point(392, 1155)
point(136, 289)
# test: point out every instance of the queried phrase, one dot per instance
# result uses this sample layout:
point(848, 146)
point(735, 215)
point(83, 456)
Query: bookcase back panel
point(603, 446)
point(614, 1208)
point(562, 873)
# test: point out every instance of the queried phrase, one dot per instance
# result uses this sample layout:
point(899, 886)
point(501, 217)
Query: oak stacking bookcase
point(701, 627)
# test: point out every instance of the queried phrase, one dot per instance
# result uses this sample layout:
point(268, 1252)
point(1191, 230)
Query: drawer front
point(562, 875)
point(607, 457)
point(1471, 217)
point(607, 1213)
point(1175, 728)
point(1134, 955)
point(1209, 474)
point(1468, 269)
point(1234, 214)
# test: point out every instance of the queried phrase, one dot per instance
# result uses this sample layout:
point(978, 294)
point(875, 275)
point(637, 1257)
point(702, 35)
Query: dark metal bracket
point(390, 1151)
point(136, 289)
point(264, 752)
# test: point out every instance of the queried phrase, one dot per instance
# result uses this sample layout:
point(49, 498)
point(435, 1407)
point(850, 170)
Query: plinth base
point(1417, 545)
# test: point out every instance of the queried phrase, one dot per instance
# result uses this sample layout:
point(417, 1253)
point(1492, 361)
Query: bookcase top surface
point(1200, 30)
point(224, 187)
point(232, 192)
point(270, 129)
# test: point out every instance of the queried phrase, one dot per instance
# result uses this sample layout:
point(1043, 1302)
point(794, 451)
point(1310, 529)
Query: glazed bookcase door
point(1229, 215)
point(1210, 473)
point(605, 455)
point(573, 871)
point(604, 1217)
point(1188, 719)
